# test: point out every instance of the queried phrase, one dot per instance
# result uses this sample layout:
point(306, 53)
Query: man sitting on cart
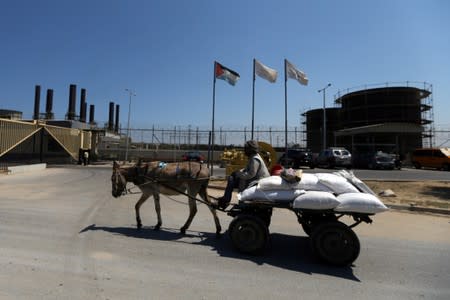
point(255, 170)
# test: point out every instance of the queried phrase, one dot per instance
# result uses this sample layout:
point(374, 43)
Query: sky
point(165, 51)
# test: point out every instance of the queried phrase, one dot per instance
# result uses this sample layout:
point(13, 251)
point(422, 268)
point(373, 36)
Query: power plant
point(45, 138)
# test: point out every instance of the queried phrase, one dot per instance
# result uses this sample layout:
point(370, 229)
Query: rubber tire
point(417, 165)
point(248, 234)
point(445, 167)
point(335, 243)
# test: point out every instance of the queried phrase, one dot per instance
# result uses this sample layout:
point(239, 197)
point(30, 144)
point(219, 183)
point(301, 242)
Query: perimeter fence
point(196, 138)
point(193, 138)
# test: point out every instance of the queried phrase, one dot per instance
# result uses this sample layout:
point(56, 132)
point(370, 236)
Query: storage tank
point(314, 125)
point(383, 105)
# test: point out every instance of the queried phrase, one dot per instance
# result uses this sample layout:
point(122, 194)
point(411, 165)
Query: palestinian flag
point(226, 74)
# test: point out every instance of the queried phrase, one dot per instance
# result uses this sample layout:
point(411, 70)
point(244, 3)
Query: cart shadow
point(285, 251)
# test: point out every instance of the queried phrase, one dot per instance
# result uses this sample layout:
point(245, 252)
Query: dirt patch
point(432, 194)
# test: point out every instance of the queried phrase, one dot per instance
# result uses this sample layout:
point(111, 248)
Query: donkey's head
point(118, 181)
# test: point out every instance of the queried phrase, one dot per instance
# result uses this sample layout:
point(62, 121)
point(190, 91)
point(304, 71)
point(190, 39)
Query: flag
point(265, 72)
point(294, 73)
point(226, 74)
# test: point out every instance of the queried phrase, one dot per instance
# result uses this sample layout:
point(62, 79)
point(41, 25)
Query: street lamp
point(324, 116)
point(131, 93)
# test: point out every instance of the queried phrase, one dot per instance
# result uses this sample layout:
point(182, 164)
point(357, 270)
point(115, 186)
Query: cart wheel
point(248, 234)
point(335, 243)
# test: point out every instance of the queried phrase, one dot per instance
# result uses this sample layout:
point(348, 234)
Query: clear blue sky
point(164, 51)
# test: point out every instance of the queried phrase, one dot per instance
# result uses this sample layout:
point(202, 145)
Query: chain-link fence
point(197, 138)
point(189, 137)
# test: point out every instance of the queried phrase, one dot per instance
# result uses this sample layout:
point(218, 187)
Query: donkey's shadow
point(164, 234)
point(284, 251)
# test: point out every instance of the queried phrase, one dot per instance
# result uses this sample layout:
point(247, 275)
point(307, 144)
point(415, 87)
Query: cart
point(332, 241)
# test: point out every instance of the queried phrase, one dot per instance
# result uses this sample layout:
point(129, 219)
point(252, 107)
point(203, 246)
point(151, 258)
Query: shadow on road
point(285, 251)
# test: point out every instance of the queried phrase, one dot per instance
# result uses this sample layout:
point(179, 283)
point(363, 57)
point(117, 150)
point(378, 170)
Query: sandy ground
point(432, 194)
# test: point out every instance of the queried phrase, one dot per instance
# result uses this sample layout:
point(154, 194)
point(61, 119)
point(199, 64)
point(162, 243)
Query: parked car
point(438, 158)
point(295, 158)
point(374, 160)
point(334, 157)
point(193, 156)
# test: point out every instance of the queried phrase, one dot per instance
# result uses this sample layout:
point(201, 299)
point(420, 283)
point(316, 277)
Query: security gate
point(13, 133)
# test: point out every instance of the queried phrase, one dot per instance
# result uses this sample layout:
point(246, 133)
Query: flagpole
point(285, 108)
point(253, 100)
point(212, 127)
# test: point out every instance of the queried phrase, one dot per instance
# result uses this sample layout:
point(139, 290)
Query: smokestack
point(83, 106)
point(91, 114)
point(116, 128)
point(49, 105)
point(111, 116)
point(37, 100)
point(72, 102)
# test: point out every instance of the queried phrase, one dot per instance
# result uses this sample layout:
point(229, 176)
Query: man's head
point(251, 147)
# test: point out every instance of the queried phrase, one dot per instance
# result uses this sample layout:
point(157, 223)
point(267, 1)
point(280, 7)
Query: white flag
point(293, 72)
point(265, 72)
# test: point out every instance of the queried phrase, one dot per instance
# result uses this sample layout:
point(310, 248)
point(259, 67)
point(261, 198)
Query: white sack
point(360, 203)
point(274, 183)
point(255, 193)
point(316, 200)
point(336, 183)
point(355, 181)
point(310, 182)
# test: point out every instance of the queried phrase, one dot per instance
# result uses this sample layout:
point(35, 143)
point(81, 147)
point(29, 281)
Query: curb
point(419, 209)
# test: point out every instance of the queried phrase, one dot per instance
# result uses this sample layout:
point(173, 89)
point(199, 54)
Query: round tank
point(382, 105)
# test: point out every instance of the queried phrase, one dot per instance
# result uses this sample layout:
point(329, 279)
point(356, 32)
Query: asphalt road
point(63, 236)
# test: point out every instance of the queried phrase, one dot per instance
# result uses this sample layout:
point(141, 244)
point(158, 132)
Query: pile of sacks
point(340, 191)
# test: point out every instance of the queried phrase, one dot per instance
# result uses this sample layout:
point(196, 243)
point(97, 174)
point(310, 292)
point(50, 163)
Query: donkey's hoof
point(157, 227)
point(183, 230)
point(218, 235)
point(139, 225)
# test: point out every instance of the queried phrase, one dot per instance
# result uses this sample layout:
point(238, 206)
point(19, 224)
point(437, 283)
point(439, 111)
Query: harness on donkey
point(144, 178)
point(157, 178)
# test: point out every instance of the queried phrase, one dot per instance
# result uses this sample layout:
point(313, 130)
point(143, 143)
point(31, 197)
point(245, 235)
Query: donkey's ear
point(115, 165)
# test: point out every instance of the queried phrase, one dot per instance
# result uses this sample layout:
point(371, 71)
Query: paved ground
point(63, 236)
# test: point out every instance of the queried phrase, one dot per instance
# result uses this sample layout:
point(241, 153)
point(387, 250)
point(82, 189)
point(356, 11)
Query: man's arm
point(251, 169)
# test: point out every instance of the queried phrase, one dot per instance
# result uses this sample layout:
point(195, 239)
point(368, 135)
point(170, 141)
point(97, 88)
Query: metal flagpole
point(253, 100)
point(324, 127)
point(211, 159)
point(285, 109)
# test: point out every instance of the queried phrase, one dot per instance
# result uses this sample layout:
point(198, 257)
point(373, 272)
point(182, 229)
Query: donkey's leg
point(137, 206)
point(158, 211)
point(192, 212)
point(204, 195)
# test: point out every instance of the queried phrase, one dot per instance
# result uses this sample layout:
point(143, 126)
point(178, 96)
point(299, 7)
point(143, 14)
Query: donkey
point(156, 178)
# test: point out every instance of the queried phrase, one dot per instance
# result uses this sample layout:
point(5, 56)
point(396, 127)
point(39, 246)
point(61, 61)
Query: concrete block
point(26, 168)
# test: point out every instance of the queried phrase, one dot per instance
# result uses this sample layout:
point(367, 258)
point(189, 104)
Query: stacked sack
point(340, 191)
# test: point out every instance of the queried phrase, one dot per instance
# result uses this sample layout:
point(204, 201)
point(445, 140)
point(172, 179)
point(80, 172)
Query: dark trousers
point(232, 183)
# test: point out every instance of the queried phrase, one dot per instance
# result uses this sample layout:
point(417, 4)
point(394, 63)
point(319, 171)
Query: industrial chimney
point(83, 106)
point(91, 114)
point(37, 100)
point(49, 105)
point(111, 116)
point(72, 102)
point(116, 127)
